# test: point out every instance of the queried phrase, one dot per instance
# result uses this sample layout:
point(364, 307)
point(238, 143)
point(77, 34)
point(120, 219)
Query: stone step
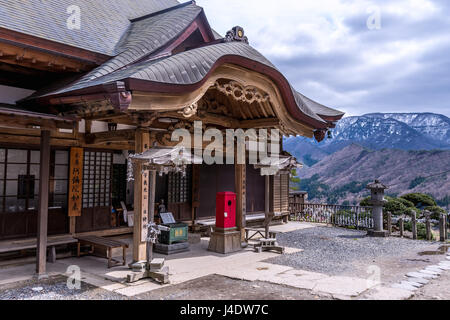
point(429, 272)
point(434, 269)
point(420, 275)
point(405, 285)
point(415, 284)
point(419, 280)
point(445, 267)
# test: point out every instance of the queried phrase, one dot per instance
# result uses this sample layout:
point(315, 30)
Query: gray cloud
point(404, 66)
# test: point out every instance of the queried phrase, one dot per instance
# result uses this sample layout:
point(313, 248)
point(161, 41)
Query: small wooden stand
point(268, 245)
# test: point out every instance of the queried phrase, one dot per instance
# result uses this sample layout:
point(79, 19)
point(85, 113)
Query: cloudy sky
point(358, 56)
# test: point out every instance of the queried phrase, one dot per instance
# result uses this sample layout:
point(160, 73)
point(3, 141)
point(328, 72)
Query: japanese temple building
point(75, 102)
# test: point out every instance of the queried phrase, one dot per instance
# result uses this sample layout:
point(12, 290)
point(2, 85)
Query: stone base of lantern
point(225, 241)
point(378, 234)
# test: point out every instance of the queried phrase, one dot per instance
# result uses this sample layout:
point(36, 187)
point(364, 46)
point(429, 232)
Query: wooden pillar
point(401, 226)
point(42, 226)
point(267, 202)
point(414, 224)
point(151, 213)
point(428, 228)
point(140, 199)
point(389, 223)
point(442, 228)
point(240, 186)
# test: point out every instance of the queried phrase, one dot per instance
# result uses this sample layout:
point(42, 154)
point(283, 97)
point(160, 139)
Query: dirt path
point(216, 287)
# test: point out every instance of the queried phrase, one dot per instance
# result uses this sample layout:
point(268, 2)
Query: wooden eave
point(52, 47)
point(14, 118)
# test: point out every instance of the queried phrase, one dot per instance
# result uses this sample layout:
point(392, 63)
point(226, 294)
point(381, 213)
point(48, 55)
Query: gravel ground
point(337, 251)
point(212, 287)
point(54, 288)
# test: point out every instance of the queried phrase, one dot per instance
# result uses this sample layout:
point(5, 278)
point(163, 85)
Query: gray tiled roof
point(187, 67)
point(191, 67)
point(103, 22)
point(130, 31)
point(316, 107)
point(147, 35)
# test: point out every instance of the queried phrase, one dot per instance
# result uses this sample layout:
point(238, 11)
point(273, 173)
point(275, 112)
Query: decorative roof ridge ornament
point(236, 34)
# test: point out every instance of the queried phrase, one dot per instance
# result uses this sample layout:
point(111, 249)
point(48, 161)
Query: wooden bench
point(52, 243)
point(103, 243)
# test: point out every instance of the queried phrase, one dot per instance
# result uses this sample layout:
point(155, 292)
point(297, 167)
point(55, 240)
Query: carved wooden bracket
point(143, 119)
point(248, 94)
point(190, 110)
point(119, 97)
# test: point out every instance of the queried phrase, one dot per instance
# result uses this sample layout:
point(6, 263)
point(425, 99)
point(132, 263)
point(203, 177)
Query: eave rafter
point(40, 60)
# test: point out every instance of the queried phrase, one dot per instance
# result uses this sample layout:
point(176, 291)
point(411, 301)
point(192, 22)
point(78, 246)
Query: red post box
point(225, 210)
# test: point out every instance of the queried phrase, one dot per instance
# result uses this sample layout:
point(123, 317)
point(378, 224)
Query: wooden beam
point(41, 262)
point(206, 117)
point(241, 206)
point(24, 122)
point(267, 202)
point(227, 122)
point(40, 60)
point(151, 213)
point(105, 116)
point(260, 123)
point(110, 136)
point(139, 246)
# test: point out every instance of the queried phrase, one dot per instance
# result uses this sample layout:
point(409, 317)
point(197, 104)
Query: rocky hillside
point(343, 175)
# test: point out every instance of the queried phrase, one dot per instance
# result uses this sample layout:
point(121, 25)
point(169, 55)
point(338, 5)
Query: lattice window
point(179, 187)
point(97, 179)
point(19, 179)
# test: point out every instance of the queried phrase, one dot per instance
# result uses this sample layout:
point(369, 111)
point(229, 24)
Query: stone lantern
point(377, 201)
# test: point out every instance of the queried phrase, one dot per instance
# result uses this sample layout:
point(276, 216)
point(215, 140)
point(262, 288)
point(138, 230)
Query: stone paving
point(246, 265)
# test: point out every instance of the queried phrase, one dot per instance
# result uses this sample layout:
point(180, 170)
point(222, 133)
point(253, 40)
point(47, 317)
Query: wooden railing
point(354, 217)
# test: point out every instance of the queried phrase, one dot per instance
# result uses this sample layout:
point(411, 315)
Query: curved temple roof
point(142, 64)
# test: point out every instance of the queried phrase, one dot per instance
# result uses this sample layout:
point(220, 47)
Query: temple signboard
point(144, 204)
point(75, 182)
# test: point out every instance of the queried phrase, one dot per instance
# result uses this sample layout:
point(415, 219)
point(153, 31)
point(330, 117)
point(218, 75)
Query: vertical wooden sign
point(76, 182)
point(144, 205)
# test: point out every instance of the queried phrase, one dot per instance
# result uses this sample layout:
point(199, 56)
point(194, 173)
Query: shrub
point(395, 207)
point(406, 203)
point(365, 202)
point(436, 212)
point(420, 200)
point(421, 230)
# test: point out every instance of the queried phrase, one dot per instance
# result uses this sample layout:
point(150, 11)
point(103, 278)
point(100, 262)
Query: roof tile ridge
point(153, 14)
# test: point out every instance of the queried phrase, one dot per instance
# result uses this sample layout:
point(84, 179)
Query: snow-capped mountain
point(400, 149)
point(404, 131)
